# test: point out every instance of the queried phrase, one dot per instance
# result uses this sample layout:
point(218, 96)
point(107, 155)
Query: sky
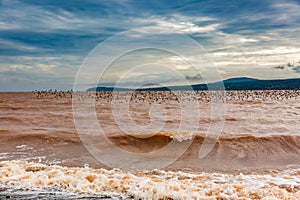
point(44, 43)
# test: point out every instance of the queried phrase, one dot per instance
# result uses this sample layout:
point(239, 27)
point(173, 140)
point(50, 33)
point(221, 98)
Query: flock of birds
point(177, 96)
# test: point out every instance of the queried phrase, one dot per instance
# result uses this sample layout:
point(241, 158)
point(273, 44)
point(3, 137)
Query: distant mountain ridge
point(238, 83)
point(239, 79)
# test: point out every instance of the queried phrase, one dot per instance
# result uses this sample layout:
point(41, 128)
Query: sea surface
point(256, 155)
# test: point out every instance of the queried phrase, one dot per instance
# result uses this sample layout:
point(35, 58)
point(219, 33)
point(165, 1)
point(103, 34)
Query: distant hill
point(239, 79)
point(240, 83)
point(256, 84)
point(108, 89)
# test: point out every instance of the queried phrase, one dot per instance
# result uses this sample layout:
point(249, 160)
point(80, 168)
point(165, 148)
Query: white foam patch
point(23, 147)
point(154, 184)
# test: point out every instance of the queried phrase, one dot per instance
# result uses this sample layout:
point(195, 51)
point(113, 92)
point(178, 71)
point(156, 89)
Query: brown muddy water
point(255, 157)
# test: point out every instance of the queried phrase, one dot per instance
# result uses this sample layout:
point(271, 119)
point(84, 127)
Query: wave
point(10, 107)
point(56, 137)
point(251, 143)
point(4, 131)
point(10, 119)
point(155, 184)
point(244, 152)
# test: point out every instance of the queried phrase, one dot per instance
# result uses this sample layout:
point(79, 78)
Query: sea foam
point(155, 184)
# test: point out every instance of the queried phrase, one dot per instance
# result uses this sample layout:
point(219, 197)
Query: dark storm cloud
point(47, 43)
point(296, 69)
point(77, 26)
point(55, 27)
point(279, 67)
point(197, 77)
point(290, 66)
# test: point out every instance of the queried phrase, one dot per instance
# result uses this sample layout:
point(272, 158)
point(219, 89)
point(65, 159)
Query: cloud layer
point(43, 43)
